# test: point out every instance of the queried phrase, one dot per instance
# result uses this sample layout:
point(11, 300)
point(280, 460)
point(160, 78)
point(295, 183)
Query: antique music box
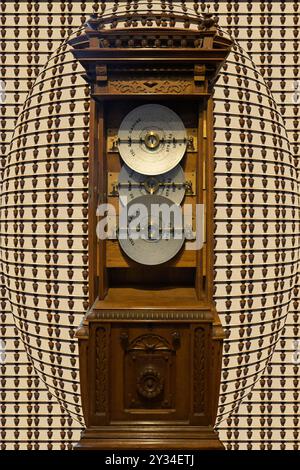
point(151, 344)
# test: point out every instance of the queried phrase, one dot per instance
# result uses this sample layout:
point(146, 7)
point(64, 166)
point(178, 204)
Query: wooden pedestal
point(155, 437)
point(150, 377)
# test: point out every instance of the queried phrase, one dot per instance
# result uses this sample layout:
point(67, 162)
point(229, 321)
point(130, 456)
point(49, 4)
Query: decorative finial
point(209, 20)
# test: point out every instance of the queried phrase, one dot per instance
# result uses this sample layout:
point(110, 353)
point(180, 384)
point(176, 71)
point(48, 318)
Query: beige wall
point(31, 416)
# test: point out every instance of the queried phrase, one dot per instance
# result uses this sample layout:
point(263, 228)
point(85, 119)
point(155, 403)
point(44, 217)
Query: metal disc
point(147, 237)
point(133, 185)
point(152, 139)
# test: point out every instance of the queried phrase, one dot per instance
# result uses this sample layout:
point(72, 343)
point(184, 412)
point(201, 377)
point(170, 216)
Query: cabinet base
point(150, 438)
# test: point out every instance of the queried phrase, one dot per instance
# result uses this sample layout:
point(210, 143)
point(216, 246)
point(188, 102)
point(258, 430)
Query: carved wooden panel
point(101, 371)
point(150, 356)
point(156, 360)
point(142, 85)
point(149, 366)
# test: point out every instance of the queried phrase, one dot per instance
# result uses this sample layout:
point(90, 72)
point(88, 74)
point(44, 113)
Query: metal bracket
point(189, 184)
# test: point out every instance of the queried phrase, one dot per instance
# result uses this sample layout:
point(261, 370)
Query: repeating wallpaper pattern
point(44, 157)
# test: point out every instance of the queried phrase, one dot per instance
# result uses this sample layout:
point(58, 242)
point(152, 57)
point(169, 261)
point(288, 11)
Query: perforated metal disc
point(152, 139)
point(133, 185)
point(157, 239)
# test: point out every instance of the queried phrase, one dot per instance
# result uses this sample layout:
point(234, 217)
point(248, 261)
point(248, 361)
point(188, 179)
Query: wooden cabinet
point(151, 344)
point(150, 370)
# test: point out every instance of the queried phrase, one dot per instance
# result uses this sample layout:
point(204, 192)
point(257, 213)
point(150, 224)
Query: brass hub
point(151, 185)
point(152, 140)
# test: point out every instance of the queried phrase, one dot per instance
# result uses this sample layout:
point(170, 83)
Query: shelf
point(177, 298)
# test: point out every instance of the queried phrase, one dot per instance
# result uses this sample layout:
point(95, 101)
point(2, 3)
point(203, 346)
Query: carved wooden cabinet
point(158, 374)
point(151, 344)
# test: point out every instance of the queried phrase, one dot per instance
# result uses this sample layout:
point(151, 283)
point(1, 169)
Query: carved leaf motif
point(101, 371)
point(199, 370)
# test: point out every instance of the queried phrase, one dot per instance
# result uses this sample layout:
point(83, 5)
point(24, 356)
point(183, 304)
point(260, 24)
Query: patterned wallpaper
point(44, 231)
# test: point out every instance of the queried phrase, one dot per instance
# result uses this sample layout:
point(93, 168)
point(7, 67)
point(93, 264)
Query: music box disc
point(152, 139)
point(132, 185)
point(150, 236)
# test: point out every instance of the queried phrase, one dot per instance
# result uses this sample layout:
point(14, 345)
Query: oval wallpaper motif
point(45, 207)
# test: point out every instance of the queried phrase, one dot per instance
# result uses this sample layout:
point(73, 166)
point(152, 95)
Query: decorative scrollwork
point(138, 86)
point(149, 343)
